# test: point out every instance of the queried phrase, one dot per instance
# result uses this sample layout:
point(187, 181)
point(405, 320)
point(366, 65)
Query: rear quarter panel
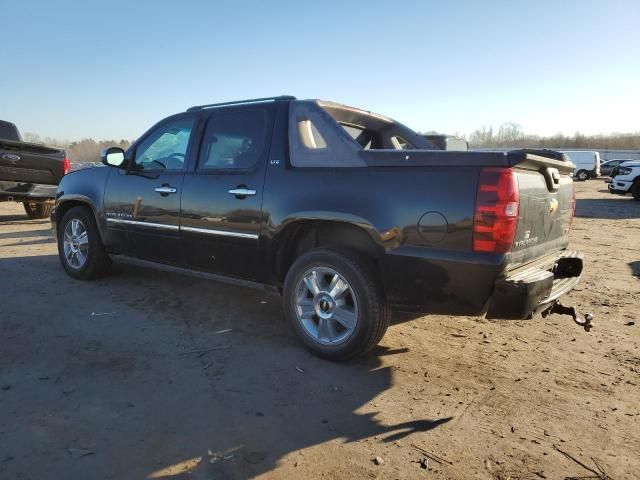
point(387, 202)
point(421, 262)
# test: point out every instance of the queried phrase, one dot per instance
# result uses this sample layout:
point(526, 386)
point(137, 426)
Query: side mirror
point(113, 157)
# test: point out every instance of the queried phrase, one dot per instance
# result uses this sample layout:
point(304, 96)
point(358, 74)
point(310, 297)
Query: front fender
point(82, 187)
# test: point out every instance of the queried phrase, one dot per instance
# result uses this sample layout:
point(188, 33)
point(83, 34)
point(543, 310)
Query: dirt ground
point(155, 375)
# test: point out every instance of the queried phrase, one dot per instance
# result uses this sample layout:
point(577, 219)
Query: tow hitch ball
point(585, 322)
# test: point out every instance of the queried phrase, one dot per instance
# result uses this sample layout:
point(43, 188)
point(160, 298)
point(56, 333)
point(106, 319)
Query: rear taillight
point(496, 214)
point(66, 165)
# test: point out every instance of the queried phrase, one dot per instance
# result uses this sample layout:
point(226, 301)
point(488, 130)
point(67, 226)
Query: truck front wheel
point(635, 190)
point(582, 175)
point(35, 210)
point(80, 247)
point(335, 303)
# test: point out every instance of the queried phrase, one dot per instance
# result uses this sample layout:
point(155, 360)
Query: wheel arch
point(579, 171)
point(67, 203)
point(302, 235)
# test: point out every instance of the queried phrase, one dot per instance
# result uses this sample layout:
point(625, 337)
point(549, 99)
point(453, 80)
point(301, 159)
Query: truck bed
point(30, 163)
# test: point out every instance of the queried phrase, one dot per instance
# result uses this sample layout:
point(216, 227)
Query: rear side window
point(234, 139)
point(310, 137)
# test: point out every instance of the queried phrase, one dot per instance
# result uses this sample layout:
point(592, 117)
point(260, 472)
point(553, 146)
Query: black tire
point(582, 175)
point(635, 190)
point(97, 261)
point(373, 312)
point(36, 210)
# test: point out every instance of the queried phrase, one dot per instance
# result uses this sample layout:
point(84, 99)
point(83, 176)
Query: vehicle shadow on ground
point(21, 220)
point(614, 208)
point(162, 375)
point(635, 268)
point(45, 232)
point(40, 241)
point(277, 398)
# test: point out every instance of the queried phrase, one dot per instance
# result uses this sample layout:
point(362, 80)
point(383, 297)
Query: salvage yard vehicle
point(606, 168)
point(587, 164)
point(29, 172)
point(625, 178)
point(447, 142)
point(347, 213)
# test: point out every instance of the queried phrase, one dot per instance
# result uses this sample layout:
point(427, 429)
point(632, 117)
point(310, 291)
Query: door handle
point(242, 192)
point(166, 189)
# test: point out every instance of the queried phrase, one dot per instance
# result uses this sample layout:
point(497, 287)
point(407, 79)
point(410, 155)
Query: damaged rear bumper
point(529, 290)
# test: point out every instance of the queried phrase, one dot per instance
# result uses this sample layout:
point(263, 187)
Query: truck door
point(142, 203)
point(221, 210)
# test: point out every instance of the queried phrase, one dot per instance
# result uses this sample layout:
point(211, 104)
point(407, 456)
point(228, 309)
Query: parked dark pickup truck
point(347, 213)
point(29, 173)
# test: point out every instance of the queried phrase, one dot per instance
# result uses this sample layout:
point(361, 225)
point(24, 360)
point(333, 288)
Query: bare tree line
point(86, 150)
point(512, 135)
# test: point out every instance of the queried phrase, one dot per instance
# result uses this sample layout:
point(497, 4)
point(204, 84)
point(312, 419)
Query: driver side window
point(165, 148)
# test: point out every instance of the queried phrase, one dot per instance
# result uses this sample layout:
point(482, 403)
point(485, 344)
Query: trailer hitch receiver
point(585, 322)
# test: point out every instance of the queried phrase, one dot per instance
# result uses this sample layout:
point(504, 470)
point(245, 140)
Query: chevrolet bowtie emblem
point(553, 205)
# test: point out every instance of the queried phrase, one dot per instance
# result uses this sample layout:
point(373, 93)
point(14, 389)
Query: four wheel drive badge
point(553, 205)
point(11, 157)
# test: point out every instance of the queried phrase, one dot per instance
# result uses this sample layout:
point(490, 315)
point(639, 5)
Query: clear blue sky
point(109, 69)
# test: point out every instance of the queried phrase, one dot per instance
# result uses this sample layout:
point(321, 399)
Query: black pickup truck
point(349, 214)
point(29, 173)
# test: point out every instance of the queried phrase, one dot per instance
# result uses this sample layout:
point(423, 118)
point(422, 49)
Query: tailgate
point(30, 163)
point(546, 206)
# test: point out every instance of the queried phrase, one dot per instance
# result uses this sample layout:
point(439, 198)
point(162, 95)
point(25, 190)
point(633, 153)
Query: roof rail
point(239, 102)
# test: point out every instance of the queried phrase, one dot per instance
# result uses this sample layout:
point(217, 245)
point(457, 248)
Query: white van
point(587, 164)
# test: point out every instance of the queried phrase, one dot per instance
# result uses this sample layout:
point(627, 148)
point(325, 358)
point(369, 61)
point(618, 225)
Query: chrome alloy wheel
point(326, 305)
point(75, 244)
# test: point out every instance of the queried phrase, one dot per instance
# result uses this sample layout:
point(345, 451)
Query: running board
point(194, 273)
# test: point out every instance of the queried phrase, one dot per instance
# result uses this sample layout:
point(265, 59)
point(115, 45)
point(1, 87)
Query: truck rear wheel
point(582, 175)
point(80, 247)
point(35, 210)
point(335, 303)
